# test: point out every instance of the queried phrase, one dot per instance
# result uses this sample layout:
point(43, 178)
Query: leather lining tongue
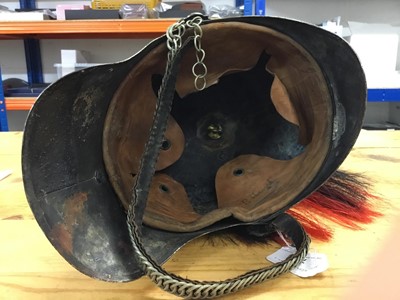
point(168, 199)
point(169, 208)
point(280, 99)
point(248, 179)
point(242, 184)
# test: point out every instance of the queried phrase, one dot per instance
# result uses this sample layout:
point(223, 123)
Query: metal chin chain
point(182, 287)
point(175, 34)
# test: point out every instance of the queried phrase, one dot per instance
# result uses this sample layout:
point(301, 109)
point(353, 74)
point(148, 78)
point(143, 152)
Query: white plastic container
point(63, 70)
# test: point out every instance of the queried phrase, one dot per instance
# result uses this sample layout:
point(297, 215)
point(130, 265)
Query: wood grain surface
point(30, 268)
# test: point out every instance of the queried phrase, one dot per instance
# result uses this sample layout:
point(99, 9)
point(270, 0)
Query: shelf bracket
point(33, 59)
point(33, 55)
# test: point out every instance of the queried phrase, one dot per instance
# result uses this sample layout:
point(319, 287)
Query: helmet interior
point(245, 146)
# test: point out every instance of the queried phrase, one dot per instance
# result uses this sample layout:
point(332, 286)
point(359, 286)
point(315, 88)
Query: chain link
point(174, 42)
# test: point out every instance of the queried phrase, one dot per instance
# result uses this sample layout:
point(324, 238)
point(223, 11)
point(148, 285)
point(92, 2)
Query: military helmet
point(217, 124)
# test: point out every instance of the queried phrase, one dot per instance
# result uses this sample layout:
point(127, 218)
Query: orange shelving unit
point(77, 29)
point(84, 29)
point(23, 103)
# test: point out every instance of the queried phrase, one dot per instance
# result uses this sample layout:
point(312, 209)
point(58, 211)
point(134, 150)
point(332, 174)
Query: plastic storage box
point(116, 4)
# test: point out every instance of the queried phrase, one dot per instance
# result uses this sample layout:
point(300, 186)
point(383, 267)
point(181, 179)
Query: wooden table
point(30, 268)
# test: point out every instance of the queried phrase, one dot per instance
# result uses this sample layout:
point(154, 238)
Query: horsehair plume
point(344, 199)
point(312, 225)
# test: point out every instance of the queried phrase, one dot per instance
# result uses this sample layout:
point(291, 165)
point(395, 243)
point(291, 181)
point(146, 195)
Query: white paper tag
point(281, 254)
point(5, 173)
point(313, 264)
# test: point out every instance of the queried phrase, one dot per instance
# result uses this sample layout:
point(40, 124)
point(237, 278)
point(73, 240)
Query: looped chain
point(193, 289)
point(174, 42)
point(174, 38)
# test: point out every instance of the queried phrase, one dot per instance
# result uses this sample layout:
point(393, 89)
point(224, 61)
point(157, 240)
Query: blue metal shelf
point(3, 111)
point(384, 95)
